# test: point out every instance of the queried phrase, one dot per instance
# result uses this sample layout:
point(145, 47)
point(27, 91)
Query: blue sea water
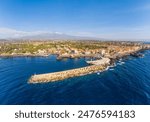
point(128, 83)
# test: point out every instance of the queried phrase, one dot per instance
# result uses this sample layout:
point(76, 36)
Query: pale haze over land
point(107, 19)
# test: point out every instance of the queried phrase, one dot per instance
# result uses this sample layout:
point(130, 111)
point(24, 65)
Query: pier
point(56, 76)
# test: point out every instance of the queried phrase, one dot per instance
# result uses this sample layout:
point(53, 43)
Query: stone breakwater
point(51, 77)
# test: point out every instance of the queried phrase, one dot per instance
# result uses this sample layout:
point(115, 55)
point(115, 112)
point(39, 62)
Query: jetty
point(98, 65)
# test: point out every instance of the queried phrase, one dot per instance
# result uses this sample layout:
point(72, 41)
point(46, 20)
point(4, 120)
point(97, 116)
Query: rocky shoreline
point(22, 55)
point(59, 56)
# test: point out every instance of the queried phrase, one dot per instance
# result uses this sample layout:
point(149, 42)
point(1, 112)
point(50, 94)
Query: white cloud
point(137, 33)
point(12, 33)
point(7, 31)
point(141, 32)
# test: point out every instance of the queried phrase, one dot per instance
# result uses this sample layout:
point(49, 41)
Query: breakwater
point(51, 77)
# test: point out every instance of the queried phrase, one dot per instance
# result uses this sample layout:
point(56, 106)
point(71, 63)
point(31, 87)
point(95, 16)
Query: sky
point(109, 19)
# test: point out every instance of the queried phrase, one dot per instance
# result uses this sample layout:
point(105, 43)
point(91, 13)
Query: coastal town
point(69, 49)
point(104, 54)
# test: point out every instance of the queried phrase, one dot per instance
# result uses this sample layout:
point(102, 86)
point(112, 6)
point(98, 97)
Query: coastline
point(104, 54)
point(61, 75)
point(59, 57)
point(22, 55)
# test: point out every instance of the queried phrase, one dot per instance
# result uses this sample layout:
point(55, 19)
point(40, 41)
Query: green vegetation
point(33, 47)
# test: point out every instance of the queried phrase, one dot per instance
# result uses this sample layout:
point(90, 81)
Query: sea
point(126, 83)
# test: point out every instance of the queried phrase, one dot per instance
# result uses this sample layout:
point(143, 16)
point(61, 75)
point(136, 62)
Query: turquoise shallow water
point(126, 83)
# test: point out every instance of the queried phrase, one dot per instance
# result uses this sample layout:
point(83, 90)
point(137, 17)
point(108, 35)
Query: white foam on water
point(98, 73)
point(107, 68)
point(122, 63)
point(111, 69)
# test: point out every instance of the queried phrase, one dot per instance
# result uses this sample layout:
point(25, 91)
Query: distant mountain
point(52, 36)
point(8, 34)
point(59, 36)
point(4, 40)
point(12, 34)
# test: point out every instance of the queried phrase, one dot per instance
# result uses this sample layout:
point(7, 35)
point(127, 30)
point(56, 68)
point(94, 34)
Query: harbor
point(101, 55)
point(98, 65)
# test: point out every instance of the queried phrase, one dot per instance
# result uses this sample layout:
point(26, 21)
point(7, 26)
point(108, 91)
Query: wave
point(121, 63)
